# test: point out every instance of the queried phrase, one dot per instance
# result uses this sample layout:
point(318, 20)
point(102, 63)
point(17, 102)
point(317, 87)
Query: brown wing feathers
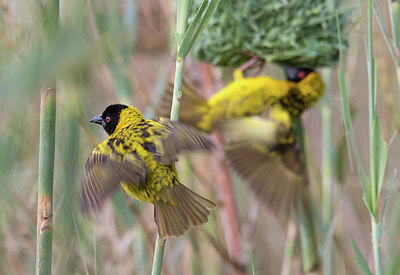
point(184, 137)
point(276, 179)
point(103, 174)
point(178, 137)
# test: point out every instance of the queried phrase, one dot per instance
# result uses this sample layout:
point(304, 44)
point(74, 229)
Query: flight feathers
point(103, 174)
point(275, 175)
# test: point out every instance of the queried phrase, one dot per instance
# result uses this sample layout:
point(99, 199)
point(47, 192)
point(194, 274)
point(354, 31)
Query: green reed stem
point(45, 184)
point(309, 255)
point(372, 109)
point(378, 150)
point(308, 245)
point(181, 24)
point(326, 170)
point(177, 91)
point(44, 237)
point(186, 37)
point(158, 256)
point(375, 150)
point(376, 244)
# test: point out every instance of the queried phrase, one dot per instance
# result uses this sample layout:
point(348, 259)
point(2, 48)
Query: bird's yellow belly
point(159, 178)
point(142, 193)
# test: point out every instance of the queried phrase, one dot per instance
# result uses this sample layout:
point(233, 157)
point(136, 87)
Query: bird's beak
point(97, 119)
point(291, 72)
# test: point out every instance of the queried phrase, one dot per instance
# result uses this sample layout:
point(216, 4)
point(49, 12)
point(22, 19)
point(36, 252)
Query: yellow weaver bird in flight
point(140, 156)
point(249, 96)
point(255, 115)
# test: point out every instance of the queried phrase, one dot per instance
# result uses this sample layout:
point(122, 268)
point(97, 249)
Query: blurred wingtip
point(277, 178)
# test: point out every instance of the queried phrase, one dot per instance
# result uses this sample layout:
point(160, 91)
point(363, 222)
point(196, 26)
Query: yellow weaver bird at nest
point(140, 156)
point(249, 96)
point(255, 115)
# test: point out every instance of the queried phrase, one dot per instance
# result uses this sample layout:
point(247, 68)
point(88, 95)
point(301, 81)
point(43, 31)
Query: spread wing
point(175, 137)
point(275, 175)
point(104, 172)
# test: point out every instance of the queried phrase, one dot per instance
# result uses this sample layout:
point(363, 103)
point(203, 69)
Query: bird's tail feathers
point(190, 209)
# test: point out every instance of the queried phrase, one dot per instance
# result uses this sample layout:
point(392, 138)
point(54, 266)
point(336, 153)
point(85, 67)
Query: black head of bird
point(296, 74)
point(117, 116)
point(109, 118)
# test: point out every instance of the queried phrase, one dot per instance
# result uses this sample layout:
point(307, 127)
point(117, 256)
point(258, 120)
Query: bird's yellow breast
point(159, 177)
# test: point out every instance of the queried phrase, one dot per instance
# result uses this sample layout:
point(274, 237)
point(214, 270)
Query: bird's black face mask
point(109, 118)
point(296, 74)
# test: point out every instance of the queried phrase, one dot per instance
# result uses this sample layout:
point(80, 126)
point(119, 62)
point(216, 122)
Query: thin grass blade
point(389, 193)
point(362, 263)
point(185, 45)
point(196, 27)
point(388, 40)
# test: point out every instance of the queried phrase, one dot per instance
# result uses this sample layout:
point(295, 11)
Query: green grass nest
point(292, 32)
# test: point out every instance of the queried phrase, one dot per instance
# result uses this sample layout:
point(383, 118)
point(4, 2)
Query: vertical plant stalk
point(158, 256)
point(308, 244)
point(376, 245)
point(44, 235)
point(372, 109)
point(309, 255)
point(177, 91)
point(181, 24)
point(326, 171)
point(185, 38)
point(45, 185)
point(374, 156)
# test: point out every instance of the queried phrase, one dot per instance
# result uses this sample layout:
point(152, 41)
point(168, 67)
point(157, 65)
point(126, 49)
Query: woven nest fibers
point(292, 32)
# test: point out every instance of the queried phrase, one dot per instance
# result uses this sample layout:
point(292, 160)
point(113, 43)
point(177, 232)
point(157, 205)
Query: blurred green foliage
point(294, 32)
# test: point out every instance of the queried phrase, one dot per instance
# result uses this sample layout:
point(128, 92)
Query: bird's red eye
point(301, 74)
point(108, 119)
